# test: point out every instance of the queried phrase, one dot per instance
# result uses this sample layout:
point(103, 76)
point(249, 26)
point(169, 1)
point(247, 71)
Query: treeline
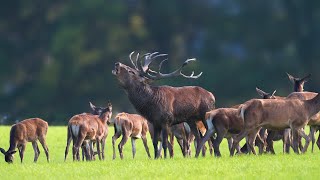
point(56, 56)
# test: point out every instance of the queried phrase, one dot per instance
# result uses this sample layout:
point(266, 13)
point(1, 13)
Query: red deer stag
point(90, 127)
point(129, 125)
point(276, 114)
point(163, 106)
point(29, 130)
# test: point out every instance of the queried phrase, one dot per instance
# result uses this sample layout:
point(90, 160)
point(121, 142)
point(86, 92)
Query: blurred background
point(56, 56)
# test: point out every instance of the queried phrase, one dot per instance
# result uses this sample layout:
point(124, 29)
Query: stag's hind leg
point(313, 130)
point(69, 138)
point(123, 141)
point(114, 138)
point(306, 137)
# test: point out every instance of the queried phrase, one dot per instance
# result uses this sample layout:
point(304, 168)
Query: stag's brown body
point(163, 106)
point(277, 115)
point(29, 130)
point(130, 125)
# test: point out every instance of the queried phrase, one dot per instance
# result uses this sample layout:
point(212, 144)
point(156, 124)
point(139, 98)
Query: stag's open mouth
point(116, 69)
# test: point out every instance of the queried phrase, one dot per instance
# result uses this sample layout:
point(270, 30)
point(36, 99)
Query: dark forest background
point(56, 56)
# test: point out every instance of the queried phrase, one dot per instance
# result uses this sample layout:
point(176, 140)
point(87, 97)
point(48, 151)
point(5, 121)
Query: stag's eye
point(132, 72)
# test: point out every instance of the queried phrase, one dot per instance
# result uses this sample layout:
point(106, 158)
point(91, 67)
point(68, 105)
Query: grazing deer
point(90, 127)
point(276, 114)
point(163, 106)
point(129, 125)
point(29, 130)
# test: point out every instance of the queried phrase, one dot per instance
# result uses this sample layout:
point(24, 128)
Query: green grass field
point(244, 166)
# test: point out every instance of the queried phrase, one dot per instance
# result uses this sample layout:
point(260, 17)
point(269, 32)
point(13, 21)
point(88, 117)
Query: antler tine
point(133, 63)
point(177, 72)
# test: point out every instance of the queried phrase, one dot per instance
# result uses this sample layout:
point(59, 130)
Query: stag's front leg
point(236, 141)
point(198, 140)
point(98, 148)
point(156, 136)
point(165, 140)
point(133, 144)
point(103, 143)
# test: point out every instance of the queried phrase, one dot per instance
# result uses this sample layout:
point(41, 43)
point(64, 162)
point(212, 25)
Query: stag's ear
point(3, 151)
point(93, 107)
point(260, 92)
point(291, 78)
point(12, 152)
point(306, 79)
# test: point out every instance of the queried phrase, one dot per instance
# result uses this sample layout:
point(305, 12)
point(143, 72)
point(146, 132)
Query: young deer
point(90, 127)
point(29, 130)
point(129, 125)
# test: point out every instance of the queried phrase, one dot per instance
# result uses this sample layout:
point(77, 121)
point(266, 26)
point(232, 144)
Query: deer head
point(142, 73)
point(8, 156)
point(298, 83)
point(100, 111)
point(265, 95)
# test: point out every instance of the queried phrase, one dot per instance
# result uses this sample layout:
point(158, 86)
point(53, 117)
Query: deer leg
point(311, 135)
point(123, 141)
point(45, 147)
point(165, 140)
point(286, 140)
point(206, 137)
point(144, 140)
point(171, 144)
point(21, 152)
point(103, 143)
point(114, 138)
point(69, 138)
point(210, 144)
point(156, 136)
point(236, 141)
point(269, 140)
point(252, 136)
point(221, 132)
point(98, 148)
point(196, 134)
point(133, 144)
point(318, 140)
point(295, 142)
point(306, 137)
point(36, 151)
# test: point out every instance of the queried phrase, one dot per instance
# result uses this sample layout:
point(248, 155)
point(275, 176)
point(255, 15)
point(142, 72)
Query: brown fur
point(164, 106)
point(277, 115)
point(90, 127)
point(29, 130)
point(129, 125)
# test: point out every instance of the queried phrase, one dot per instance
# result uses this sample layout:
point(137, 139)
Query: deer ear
point(93, 107)
point(306, 79)
point(260, 92)
point(291, 78)
point(3, 151)
point(12, 152)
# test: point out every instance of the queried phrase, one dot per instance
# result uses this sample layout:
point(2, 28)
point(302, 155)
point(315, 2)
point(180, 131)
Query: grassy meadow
point(243, 166)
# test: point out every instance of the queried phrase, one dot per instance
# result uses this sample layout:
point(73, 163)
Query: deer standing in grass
point(276, 114)
point(129, 125)
point(226, 123)
point(89, 127)
point(29, 130)
point(163, 106)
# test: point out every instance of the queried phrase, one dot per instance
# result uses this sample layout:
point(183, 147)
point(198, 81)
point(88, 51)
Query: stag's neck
point(298, 88)
point(313, 105)
point(142, 97)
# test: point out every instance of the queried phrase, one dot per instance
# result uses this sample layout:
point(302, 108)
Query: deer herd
point(186, 113)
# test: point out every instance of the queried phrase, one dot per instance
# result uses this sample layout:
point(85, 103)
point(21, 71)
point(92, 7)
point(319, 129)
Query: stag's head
point(265, 95)
point(141, 71)
point(8, 155)
point(298, 83)
point(101, 111)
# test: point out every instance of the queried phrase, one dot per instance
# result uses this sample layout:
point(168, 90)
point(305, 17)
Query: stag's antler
point(154, 75)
